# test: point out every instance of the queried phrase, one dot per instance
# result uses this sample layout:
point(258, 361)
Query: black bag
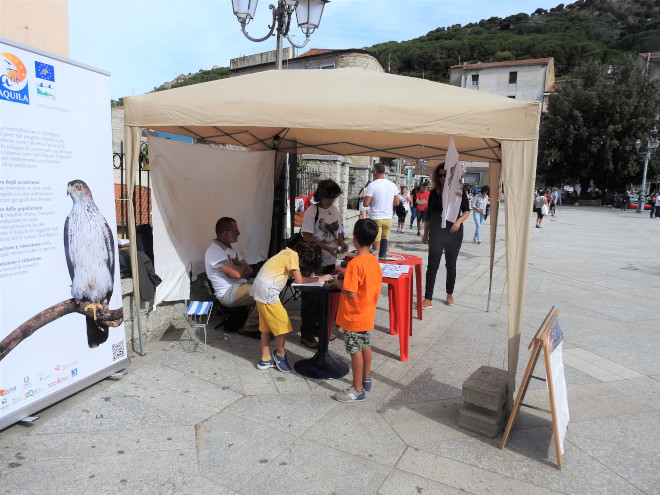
point(400, 209)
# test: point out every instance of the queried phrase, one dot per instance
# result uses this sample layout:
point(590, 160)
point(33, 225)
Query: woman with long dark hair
point(448, 239)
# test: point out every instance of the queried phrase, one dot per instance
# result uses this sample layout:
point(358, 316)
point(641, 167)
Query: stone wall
point(359, 60)
point(154, 322)
point(117, 117)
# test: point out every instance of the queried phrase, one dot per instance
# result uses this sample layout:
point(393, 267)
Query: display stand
point(548, 338)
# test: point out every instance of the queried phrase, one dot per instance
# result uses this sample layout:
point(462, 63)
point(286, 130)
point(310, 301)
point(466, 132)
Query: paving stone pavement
point(211, 423)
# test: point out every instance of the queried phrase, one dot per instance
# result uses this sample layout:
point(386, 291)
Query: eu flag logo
point(44, 71)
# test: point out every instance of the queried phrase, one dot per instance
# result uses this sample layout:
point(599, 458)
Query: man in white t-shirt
point(381, 196)
point(228, 271)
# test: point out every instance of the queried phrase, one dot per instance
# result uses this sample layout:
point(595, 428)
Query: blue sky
point(144, 43)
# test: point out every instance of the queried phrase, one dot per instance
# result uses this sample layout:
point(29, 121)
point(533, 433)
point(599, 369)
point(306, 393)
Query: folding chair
point(197, 315)
point(289, 292)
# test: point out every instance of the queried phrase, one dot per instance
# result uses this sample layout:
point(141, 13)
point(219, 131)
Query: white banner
point(58, 242)
point(193, 186)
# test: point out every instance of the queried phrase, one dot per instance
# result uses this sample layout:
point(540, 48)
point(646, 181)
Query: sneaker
point(350, 395)
point(478, 241)
point(366, 384)
point(427, 304)
point(450, 300)
point(264, 365)
point(474, 239)
point(418, 233)
point(281, 363)
point(309, 343)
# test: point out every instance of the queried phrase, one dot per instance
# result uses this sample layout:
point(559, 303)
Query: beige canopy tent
point(359, 112)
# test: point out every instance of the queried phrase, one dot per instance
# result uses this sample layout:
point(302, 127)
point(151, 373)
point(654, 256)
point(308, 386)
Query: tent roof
point(341, 112)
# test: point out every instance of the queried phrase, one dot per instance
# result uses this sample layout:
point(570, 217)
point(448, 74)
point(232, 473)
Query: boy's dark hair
point(327, 188)
point(309, 255)
point(365, 231)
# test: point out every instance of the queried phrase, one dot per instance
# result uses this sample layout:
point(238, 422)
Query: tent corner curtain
point(518, 177)
point(132, 136)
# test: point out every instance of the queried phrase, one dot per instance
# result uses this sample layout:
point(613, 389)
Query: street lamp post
point(651, 146)
point(308, 14)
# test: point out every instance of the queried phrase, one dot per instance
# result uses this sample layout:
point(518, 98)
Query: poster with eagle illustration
point(61, 315)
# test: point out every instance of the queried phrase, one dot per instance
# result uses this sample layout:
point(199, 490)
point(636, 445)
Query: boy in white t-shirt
point(300, 256)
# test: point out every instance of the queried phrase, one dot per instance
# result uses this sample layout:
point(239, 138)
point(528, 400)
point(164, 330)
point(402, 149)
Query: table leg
point(418, 280)
point(391, 299)
point(322, 365)
point(406, 321)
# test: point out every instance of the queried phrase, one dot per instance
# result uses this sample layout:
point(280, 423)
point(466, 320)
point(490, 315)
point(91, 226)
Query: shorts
point(539, 212)
point(384, 227)
point(273, 318)
point(356, 341)
point(421, 216)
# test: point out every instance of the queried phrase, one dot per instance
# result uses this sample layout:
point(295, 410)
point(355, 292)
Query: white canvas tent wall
point(358, 112)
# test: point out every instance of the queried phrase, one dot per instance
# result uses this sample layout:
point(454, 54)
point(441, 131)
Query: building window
point(513, 77)
point(512, 97)
point(331, 66)
point(475, 79)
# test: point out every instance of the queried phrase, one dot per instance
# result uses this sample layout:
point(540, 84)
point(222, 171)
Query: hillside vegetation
point(587, 29)
point(601, 30)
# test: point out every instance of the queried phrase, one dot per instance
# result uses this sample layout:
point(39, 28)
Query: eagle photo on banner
point(90, 256)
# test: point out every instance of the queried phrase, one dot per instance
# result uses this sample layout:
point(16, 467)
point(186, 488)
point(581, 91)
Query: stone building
point(527, 80)
point(313, 59)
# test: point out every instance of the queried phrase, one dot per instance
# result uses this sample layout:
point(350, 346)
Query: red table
point(410, 260)
point(399, 292)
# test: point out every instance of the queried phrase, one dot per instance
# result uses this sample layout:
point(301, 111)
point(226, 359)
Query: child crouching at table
point(299, 257)
point(356, 313)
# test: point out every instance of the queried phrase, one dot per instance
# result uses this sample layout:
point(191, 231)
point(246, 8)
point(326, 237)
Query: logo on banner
point(46, 80)
point(13, 79)
point(7, 391)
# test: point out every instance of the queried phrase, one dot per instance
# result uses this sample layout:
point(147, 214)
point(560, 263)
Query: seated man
point(228, 271)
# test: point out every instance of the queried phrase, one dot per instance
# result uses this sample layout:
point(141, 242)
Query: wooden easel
point(542, 340)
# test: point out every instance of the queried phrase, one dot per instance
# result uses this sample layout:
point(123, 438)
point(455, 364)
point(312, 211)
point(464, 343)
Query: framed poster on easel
point(548, 339)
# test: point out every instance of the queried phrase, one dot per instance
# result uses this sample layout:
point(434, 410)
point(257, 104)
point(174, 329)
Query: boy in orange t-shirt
point(356, 314)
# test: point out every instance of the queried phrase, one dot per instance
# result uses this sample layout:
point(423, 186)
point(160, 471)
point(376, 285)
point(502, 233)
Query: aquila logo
point(13, 79)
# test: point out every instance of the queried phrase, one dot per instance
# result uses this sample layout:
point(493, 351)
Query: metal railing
point(141, 194)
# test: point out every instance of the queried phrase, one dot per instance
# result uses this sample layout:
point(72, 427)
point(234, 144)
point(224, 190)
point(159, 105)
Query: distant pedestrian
point(480, 203)
point(539, 203)
point(554, 199)
point(653, 197)
point(381, 196)
point(364, 210)
point(422, 197)
point(657, 205)
point(413, 206)
point(403, 208)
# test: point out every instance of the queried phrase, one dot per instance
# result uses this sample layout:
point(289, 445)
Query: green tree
point(592, 123)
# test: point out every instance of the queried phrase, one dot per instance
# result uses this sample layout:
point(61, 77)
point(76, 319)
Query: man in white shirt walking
point(381, 196)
